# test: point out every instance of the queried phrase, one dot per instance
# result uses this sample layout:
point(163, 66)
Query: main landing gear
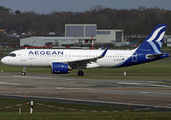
point(23, 72)
point(80, 73)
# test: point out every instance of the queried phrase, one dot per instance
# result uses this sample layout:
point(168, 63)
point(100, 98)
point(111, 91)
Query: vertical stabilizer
point(154, 40)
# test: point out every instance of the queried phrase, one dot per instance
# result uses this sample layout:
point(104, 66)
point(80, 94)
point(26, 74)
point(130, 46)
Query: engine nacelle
point(60, 68)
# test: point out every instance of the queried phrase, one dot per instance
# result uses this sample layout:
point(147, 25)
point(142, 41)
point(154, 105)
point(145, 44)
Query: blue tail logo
point(154, 40)
point(149, 50)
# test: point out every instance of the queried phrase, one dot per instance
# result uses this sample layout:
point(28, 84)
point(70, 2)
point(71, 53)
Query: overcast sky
point(47, 6)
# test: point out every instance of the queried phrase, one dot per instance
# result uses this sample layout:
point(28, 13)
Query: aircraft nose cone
point(3, 60)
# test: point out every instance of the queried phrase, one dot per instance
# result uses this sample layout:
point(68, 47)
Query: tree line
point(134, 21)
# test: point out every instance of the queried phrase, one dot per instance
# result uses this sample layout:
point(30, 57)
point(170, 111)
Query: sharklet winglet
point(104, 53)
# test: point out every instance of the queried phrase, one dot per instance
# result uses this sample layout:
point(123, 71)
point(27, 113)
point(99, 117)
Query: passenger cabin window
point(12, 55)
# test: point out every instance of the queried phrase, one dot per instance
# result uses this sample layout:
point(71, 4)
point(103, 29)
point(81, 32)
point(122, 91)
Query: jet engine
point(60, 68)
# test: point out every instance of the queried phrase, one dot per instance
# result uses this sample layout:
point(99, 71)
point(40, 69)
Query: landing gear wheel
point(23, 73)
point(80, 73)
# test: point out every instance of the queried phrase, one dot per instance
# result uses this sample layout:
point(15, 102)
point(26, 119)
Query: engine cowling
point(60, 68)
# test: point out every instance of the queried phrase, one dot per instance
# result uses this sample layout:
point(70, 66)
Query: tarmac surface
point(152, 95)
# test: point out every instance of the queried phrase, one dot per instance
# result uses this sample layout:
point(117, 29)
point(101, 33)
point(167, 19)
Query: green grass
point(86, 116)
point(152, 70)
point(43, 112)
point(44, 106)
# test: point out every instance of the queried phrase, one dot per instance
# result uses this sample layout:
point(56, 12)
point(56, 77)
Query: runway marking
point(83, 110)
point(6, 83)
point(148, 107)
point(8, 107)
point(50, 106)
point(73, 88)
point(66, 88)
point(43, 78)
point(129, 83)
point(61, 108)
point(19, 105)
point(144, 92)
point(160, 85)
point(13, 106)
point(39, 104)
point(32, 77)
point(149, 84)
point(92, 101)
point(59, 88)
point(168, 105)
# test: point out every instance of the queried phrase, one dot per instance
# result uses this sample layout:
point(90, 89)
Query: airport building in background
point(48, 41)
point(84, 33)
point(78, 35)
point(115, 37)
point(167, 39)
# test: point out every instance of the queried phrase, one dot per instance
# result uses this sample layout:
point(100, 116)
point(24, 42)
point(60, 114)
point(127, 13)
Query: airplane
point(62, 61)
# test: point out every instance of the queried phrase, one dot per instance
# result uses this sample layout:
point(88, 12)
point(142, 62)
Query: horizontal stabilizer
point(163, 55)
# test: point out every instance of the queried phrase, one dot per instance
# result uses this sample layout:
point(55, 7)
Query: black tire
point(80, 73)
point(23, 73)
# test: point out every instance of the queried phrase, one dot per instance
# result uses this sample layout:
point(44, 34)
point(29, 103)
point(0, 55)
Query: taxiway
point(144, 93)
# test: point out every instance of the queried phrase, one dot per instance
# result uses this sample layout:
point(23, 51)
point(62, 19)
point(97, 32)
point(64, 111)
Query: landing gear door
point(23, 56)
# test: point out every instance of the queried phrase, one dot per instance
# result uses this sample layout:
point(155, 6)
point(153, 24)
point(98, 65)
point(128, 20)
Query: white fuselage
point(45, 57)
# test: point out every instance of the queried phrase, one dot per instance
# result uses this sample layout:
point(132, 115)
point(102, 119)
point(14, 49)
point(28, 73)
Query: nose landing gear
point(23, 72)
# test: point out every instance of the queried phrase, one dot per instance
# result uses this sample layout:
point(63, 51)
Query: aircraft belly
point(106, 63)
point(110, 63)
point(92, 65)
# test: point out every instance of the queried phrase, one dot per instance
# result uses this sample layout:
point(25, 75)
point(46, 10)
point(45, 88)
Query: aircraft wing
point(84, 62)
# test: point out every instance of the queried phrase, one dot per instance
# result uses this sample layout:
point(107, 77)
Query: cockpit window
point(12, 55)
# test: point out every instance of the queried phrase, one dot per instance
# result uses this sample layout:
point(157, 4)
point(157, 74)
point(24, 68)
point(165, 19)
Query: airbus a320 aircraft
point(63, 61)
